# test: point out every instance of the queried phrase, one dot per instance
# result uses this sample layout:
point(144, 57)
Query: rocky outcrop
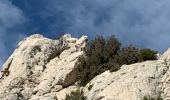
point(40, 67)
point(43, 69)
point(166, 78)
point(132, 82)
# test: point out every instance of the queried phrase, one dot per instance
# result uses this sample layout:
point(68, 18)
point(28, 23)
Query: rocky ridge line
point(43, 69)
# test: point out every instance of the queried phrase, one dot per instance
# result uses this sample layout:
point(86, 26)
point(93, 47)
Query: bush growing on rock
point(112, 47)
point(75, 95)
point(90, 87)
point(148, 54)
point(103, 54)
point(152, 98)
point(100, 55)
point(129, 55)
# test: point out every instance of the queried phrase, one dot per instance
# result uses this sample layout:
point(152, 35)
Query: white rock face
point(43, 69)
point(166, 77)
point(40, 67)
point(132, 82)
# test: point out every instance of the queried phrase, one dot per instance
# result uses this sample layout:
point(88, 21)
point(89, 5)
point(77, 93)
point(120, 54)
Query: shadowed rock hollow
point(43, 69)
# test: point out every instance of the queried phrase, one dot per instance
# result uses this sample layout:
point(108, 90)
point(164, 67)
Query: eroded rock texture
point(133, 82)
point(40, 67)
point(43, 69)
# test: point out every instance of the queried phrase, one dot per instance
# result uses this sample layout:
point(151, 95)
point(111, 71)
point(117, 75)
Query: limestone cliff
point(43, 69)
point(40, 67)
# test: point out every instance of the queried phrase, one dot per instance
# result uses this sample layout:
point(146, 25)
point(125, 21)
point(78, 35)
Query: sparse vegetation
point(103, 54)
point(90, 87)
point(152, 98)
point(76, 95)
point(129, 55)
point(148, 54)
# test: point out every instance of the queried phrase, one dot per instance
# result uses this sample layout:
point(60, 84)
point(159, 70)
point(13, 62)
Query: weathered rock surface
point(43, 69)
point(166, 78)
point(132, 82)
point(40, 67)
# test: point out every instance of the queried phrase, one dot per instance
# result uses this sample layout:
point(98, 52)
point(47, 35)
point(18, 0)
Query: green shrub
point(103, 54)
point(112, 66)
point(75, 95)
point(90, 87)
point(148, 54)
point(99, 57)
point(129, 55)
point(152, 98)
point(113, 46)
